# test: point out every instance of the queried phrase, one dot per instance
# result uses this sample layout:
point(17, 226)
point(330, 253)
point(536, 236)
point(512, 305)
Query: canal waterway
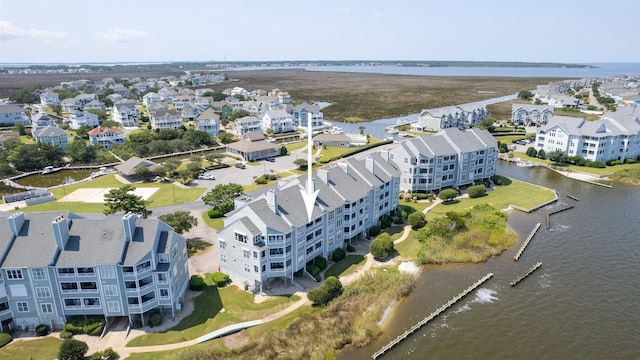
point(55, 178)
point(581, 304)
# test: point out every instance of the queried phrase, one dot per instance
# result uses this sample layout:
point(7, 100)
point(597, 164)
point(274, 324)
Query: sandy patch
point(96, 195)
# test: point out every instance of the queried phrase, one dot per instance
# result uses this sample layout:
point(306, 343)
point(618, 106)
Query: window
point(223, 258)
point(38, 274)
point(110, 290)
point(43, 292)
point(72, 303)
point(247, 267)
point(246, 253)
point(241, 238)
point(223, 244)
point(14, 274)
point(69, 286)
point(22, 306)
point(87, 271)
point(107, 272)
point(89, 285)
point(276, 252)
point(91, 302)
point(277, 265)
point(255, 268)
point(46, 308)
point(164, 293)
point(66, 271)
point(113, 306)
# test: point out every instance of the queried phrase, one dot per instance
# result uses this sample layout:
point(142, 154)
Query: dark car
point(241, 166)
point(270, 159)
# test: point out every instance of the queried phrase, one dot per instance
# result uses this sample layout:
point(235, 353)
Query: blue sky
point(580, 31)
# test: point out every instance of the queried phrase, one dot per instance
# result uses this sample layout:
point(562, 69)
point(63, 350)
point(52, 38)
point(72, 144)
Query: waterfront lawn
point(167, 194)
point(346, 266)
point(239, 306)
point(408, 249)
point(575, 113)
point(568, 167)
point(43, 348)
point(295, 146)
point(629, 175)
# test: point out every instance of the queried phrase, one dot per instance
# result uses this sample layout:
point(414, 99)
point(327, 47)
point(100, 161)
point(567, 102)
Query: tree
point(218, 96)
point(237, 114)
point(30, 157)
point(144, 173)
point(79, 151)
point(83, 130)
point(447, 194)
point(329, 290)
point(180, 221)
point(102, 115)
point(301, 163)
point(381, 246)
point(20, 129)
point(557, 156)
point(57, 109)
point(222, 195)
point(71, 349)
point(171, 165)
point(542, 154)
point(532, 152)
point(525, 95)
point(361, 128)
point(416, 220)
point(121, 200)
point(487, 124)
point(225, 137)
point(284, 151)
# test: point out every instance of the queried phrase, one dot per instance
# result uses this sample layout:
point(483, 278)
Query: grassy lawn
point(167, 194)
point(510, 139)
point(195, 247)
point(295, 146)
point(217, 223)
point(568, 167)
point(330, 152)
point(346, 266)
point(238, 307)
point(408, 249)
point(502, 110)
point(40, 349)
point(575, 113)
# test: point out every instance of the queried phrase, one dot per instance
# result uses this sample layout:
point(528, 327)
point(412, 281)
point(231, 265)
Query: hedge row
point(91, 326)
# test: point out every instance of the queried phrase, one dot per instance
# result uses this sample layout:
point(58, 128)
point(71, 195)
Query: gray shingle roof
point(93, 242)
point(143, 240)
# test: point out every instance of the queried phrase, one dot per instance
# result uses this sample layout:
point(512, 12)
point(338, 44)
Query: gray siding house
point(55, 266)
point(269, 236)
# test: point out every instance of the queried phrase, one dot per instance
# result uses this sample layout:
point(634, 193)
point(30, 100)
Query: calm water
point(582, 304)
point(55, 178)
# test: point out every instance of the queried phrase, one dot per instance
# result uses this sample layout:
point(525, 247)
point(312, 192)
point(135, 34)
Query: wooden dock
point(526, 242)
point(522, 277)
point(555, 212)
point(432, 316)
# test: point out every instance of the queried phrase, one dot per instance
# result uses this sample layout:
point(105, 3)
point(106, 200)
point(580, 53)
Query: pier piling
point(555, 212)
point(522, 277)
point(526, 242)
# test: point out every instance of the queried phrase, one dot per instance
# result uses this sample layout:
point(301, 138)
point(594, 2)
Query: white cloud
point(377, 14)
point(9, 31)
point(343, 10)
point(120, 35)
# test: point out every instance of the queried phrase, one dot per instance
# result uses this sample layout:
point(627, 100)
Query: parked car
point(270, 159)
point(206, 176)
point(241, 166)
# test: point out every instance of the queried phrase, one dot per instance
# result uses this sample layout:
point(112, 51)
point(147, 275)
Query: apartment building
point(451, 158)
point(269, 236)
point(55, 266)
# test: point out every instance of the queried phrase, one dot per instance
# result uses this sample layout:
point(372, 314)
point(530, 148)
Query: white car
point(206, 176)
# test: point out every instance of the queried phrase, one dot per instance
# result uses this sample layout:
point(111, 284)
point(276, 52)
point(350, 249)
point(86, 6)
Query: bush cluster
point(329, 290)
point(314, 271)
point(155, 319)
point(351, 248)
point(320, 262)
point(264, 179)
point(374, 230)
point(338, 254)
point(385, 221)
point(416, 220)
point(64, 335)
point(71, 349)
point(220, 279)
point(106, 354)
point(91, 326)
point(196, 283)
point(215, 213)
point(42, 330)
point(381, 246)
point(476, 191)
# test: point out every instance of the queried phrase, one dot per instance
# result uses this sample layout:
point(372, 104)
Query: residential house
point(451, 158)
point(49, 98)
point(270, 236)
point(531, 115)
point(151, 98)
point(120, 90)
point(304, 113)
point(181, 100)
point(115, 97)
point(82, 118)
point(189, 112)
point(95, 105)
point(615, 136)
point(165, 119)
point(106, 136)
point(474, 112)
point(128, 168)
point(208, 122)
point(11, 114)
point(157, 107)
point(51, 135)
point(252, 147)
point(40, 120)
point(247, 124)
point(126, 113)
point(83, 99)
point(271, 102)
point(68, 105)
point(56, 266)
point(222, 108)
point(325, 139)
point(284, 97)
point(278, 121)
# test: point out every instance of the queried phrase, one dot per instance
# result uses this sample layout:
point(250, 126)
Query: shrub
point(597, 164)
point(329, 290)
point(613, 162)
point(155, 319)
point(313, 270)
point(261, 180)
point(66, 335)
point(422, 196)
point(350, 248)
point(320, 262)
point(71, 349)
point(196, 283)
point(91, 326)
point(416, 220)
point(338, 254)
point(476, 191)
point(96, 356)
point(374, 230)
point(220, 279)
point(381, 246)
point(42, 330)
point(448, 194)
point(215, 213)
point(5, 339)
point(630, 161)
point(109, 354)
point(385, 221)
point(96, 331)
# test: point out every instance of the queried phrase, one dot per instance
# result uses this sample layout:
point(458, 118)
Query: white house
point(278, 121)
point(208, 122)
point(80, 118)
point(531, 115)
point(49, 98)
point(126, 113)
point(247, 124)
point(106, 136)
point(165, 119)
point(304, 113)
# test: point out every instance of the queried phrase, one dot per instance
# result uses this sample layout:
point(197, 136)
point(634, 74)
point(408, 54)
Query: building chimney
point(272, 200)
point(16, 220)
point(344, 166)
point(386, 155)
point(370, 163)
point(61, 226)
point(323, 175)
point(129, 223)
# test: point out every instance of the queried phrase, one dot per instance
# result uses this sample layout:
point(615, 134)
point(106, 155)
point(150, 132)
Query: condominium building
point(615, 136)
point(55, 266)
point(269, 236)
point(451, 158)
